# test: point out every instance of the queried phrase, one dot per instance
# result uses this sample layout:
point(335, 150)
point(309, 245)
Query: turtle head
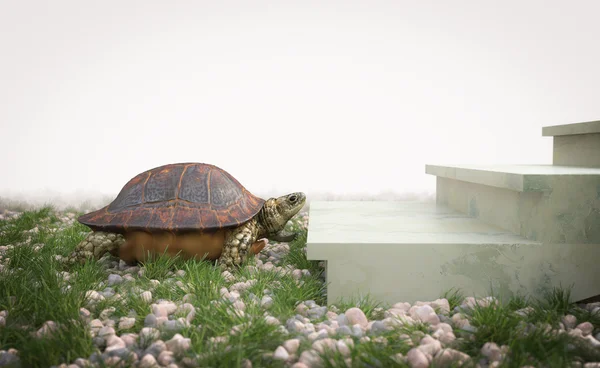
point(276, 212)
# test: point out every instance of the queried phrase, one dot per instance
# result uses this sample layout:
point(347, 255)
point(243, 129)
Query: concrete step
point(547, 203)
point(575, 144)
point(410, 251)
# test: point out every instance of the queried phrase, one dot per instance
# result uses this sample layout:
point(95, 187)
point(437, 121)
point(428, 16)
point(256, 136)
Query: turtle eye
point(293, 198)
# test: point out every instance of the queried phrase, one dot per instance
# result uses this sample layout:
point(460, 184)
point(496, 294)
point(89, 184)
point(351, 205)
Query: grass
point(33, 290)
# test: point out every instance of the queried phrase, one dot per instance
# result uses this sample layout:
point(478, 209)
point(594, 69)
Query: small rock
point(299, 365)
point(165, 358)
point(310, 358)
point(318, 312)
point(492, 351)
point(281, 354)
point(148, 335)
point(126, 323)
point(156, 348)
point(447, 357)
point(114, 279)
point(291, 345)
point(302, 309)
point(343, 348)
point(586, 328)
point(146, 296)
point(148, 361)
point(106, 332)
point(272, 321)
point(430, 346)
point(425, 313)
point(178, 344)
point(570, 321)
point(417, 359)
point(266, 302)
point(150, 321)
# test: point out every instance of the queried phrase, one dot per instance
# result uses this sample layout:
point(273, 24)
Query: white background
point(318, 96)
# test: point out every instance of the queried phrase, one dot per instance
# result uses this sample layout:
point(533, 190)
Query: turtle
point(196, 210)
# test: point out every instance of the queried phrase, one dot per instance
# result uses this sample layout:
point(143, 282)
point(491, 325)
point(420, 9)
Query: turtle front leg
point(238, 245)
point(284, 236)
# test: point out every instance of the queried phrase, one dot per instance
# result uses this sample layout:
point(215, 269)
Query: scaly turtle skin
point(196, 209)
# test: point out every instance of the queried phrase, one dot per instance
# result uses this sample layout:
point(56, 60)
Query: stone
point(491, 350)
point(266, 302)
point(272, 321)
point(156, 348)
point(424, 313)
point(281, 354)
point(570, 321)
point(417, 359)
point(378, 328)
point(310, 358)
point(150, 321)
point(586, 328)
point(343, 348)
point(148, 335)
point(114, 279)
point(148, 361)
point(291, 345)
point(447, 357)
point(166, 357)
point(356, 316)
point(146, 296)
point(106, 332)
point(115, 342)
point(317, 313)
point(126, 323)
point(178, 344)
point(429, 345)
point(299, 365)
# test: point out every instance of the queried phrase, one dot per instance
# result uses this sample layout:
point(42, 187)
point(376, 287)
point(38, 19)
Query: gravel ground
point(335, 332)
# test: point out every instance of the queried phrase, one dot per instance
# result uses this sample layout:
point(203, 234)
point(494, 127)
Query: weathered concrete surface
point(409, 251)
point(551, 204)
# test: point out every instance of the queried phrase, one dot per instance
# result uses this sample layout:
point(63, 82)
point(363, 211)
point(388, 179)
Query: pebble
point(179, 344)
point(146, 296)
point(114, 279)
point(165, 358)
point(281, 353)
point(356, 316)
point(570, 321)
point(126, 323)
point(424, 313)
point(148, 361)
point(266, 302)
point(317, 312)
point(586, 328)
point(417, 359)
point(150, 321)
point(291, 345)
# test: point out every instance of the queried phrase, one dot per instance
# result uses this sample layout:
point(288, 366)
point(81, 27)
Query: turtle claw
point(258, 246)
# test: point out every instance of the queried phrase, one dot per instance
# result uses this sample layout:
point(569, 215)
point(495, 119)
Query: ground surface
point(271, 313)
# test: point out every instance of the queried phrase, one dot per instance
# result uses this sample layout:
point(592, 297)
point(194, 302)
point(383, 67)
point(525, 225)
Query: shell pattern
point(177, 197)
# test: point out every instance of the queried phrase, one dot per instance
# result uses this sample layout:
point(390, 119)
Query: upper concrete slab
point(521, 178)
point(589, 127)
point(337, 223)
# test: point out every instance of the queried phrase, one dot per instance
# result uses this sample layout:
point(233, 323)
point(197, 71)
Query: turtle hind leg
point(95, 245)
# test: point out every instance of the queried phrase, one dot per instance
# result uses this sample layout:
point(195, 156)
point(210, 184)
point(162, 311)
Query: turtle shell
point(177, 197)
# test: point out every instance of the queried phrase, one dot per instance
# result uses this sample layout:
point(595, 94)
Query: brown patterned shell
point(177, 197)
